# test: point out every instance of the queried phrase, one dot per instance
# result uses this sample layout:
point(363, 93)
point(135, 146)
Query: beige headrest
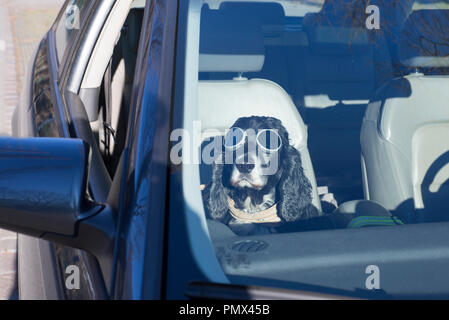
point(221, 103)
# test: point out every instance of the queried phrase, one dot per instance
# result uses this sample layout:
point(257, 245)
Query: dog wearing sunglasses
point(263, 187)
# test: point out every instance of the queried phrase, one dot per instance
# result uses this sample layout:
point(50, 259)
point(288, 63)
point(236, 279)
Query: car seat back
point(405, 132)
point(343, 66)
point(235, 45)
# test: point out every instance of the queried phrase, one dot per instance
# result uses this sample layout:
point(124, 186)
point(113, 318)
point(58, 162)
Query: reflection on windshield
point(309, 120)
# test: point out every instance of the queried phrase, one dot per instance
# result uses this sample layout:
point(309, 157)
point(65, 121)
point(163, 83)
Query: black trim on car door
point(144, 204)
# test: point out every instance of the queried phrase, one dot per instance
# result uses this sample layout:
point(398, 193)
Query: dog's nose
point(245, 168)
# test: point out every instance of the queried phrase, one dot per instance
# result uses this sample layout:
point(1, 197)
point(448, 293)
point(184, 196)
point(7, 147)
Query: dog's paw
point(248, 229)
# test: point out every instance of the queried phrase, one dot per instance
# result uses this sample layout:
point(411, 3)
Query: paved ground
point(22, 24)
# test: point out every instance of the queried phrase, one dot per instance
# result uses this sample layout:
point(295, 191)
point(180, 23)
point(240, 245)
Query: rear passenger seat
point(339, 73)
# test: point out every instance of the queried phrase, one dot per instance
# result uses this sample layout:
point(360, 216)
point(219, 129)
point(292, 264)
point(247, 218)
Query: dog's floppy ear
point(217, 203)
point(294, 189)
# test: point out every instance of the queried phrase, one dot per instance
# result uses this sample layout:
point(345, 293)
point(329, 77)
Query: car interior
point(404, 149)
point(337, 87)
point(329, 83)
point(107, 105)
point(335, 73)
point(367, 111)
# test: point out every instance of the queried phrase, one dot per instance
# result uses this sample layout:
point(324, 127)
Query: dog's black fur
point(293, 189)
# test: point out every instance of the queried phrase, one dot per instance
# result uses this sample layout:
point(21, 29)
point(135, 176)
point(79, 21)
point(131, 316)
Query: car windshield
point(315, 115)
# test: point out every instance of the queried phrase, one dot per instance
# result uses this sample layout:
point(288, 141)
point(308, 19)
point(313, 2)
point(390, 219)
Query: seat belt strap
point(109, 132)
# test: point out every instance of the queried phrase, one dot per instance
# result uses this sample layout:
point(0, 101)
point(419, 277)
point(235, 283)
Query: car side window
point(116, 91)
point(69, 23)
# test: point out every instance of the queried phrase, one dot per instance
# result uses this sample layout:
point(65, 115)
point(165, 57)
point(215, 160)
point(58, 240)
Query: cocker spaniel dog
point(258, 182)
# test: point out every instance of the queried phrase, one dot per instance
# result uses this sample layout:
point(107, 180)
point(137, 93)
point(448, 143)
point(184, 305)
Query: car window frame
point(71, 71)
point(96, 276)
point(74, 35)
point(144, 160)
point(93, 276)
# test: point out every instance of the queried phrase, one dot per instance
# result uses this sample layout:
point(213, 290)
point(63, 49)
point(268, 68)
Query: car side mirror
point(42, 184)
point(43, 193)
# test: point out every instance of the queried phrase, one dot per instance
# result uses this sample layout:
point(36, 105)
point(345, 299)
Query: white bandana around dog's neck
point(265, 216)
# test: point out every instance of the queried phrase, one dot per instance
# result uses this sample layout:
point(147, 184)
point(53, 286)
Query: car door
point(97, 274)
point(130, 266)
point(135, 191)
point(43, 265)
point(41, 275)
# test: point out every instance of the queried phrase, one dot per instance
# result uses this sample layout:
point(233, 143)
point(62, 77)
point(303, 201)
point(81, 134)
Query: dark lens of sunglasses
point(269, 140)
point(234, 138)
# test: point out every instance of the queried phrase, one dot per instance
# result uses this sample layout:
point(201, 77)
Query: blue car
point(132, 172)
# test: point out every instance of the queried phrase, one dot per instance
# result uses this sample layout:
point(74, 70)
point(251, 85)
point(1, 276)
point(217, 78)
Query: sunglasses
point(268, 140)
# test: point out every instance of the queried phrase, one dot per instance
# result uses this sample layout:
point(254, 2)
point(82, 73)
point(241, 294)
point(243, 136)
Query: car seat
point(405, 131)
